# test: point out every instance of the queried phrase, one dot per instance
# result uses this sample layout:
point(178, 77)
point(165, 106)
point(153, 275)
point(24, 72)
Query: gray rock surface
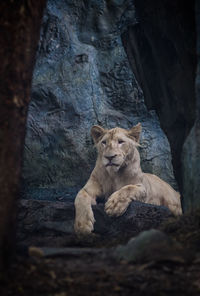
point(191, 169)
point(82, 77)
point(50, 224)
point(152, 245)
point(191, 147)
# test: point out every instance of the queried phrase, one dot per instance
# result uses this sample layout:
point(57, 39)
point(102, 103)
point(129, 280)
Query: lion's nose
point(110, 157)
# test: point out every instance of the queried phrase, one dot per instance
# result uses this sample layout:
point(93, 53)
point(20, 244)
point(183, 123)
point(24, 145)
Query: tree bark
point(19, 26)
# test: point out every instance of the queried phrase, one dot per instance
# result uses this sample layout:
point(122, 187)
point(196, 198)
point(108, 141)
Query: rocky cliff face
point(191, 148)
point(83, 77)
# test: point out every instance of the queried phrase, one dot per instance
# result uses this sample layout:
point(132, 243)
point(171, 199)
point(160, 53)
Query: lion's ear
point(135, 131)
point(97, 133)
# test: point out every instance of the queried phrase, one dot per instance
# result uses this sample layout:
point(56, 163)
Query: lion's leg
point(119, 201)
point(84, 217)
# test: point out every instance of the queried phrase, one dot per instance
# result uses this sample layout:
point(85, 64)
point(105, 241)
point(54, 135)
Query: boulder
point(50, 224)
point(191, 147)
point(152, 245)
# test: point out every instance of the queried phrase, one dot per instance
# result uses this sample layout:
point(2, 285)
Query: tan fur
point(118, 177)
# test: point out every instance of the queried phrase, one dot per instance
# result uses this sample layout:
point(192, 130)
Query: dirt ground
point(97, 273)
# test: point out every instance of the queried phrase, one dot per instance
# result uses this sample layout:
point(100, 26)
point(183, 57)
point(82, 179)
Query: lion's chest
point(112, 185)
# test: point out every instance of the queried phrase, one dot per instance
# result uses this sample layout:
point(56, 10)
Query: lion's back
point(161, 193)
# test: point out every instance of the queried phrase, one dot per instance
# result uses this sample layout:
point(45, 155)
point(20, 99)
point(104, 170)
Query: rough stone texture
point(43, 223)
point(161, 51)
point(152, 245)
point(191, 148)
point(82, 77)
point(191, 169)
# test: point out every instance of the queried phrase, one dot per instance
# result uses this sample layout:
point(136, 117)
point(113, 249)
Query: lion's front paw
point(117, 204)
point(84, 222)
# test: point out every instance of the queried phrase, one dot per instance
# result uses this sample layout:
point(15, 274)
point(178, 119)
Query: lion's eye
point(103, 142)
point(120, 141)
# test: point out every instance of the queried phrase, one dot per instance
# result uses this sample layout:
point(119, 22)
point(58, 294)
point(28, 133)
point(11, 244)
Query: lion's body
point(118, 177)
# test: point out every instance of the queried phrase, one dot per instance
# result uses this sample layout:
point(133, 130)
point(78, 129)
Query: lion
point(118, 177)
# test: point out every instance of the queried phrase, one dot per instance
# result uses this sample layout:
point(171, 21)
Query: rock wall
point(191, 148)
point(83, 77)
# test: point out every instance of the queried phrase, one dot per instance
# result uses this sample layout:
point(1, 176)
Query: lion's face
point(115, 146)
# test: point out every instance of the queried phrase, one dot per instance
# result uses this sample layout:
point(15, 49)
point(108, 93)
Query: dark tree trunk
point(19, 26)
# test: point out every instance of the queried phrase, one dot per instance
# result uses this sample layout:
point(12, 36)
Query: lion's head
point(116, 146)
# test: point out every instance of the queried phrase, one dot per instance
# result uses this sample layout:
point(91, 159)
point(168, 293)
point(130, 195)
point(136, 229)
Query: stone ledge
point(44, 223)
